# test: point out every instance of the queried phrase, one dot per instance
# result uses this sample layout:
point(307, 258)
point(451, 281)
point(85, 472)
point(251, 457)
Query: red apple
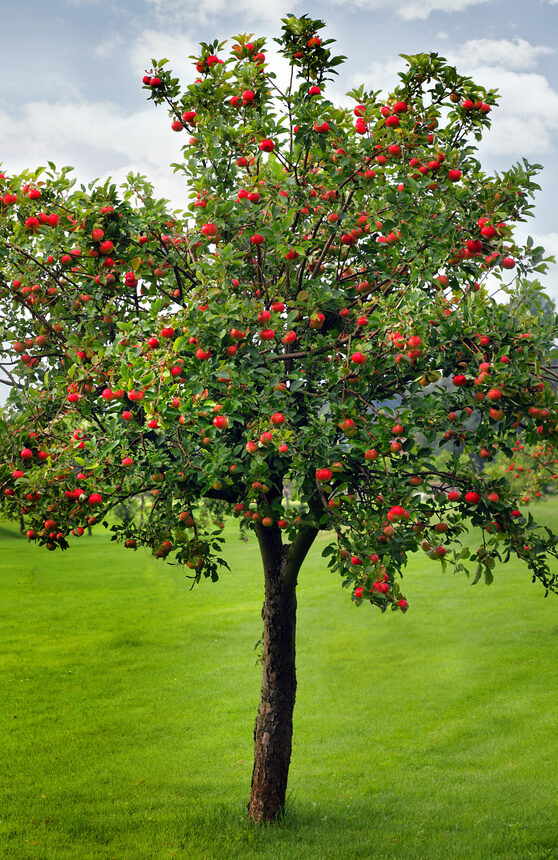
point(494, 394)
point(472, 498)
point(209, 230)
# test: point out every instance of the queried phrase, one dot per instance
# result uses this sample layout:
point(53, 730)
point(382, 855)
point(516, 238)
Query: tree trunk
point(274, 723)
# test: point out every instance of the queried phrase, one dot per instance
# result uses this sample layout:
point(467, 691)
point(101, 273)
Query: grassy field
point(127, 705)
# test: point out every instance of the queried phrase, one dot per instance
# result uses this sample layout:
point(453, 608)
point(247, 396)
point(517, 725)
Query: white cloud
point(107, 47)
point(504, 53)
point(185, 13)
point(97, 138)
point(379, 75)
point(101, 126)
point(525, 123)
point(526, 119)
point(177, 48)
point(410, 10)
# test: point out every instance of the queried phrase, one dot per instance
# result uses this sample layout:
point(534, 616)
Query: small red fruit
point(267, 145)
point(209, 230)
point(494, 394)
point(321, 128)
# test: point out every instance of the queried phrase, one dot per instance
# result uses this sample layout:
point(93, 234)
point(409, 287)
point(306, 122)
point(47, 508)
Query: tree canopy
point(342, 309)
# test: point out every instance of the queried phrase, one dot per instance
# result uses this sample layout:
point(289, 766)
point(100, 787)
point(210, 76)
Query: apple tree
point(341, 298)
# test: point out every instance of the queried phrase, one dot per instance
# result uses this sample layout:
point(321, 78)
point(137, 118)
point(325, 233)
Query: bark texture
point(274, 723)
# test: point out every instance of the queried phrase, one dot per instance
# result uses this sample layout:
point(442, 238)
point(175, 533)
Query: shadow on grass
point(11, 530)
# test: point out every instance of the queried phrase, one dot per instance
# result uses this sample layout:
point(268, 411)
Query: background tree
point(532, 471)
point(322, 314)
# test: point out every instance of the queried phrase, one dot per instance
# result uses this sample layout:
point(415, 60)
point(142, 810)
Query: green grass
point(127, 706)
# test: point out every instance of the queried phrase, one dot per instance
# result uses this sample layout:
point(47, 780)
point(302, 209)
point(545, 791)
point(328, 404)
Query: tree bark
point(274, 723)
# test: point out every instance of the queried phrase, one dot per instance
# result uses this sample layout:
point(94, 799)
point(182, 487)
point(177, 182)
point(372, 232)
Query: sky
point(72, 77)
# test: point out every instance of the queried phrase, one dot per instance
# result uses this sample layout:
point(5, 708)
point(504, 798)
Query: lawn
point(128, 703)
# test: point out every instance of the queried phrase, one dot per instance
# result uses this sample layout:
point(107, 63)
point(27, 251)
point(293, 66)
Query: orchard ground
point(128, 705)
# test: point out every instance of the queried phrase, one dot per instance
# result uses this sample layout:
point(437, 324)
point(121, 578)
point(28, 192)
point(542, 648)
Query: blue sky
point(72, 76)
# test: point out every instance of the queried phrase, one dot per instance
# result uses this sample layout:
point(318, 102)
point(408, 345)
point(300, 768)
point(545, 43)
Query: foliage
point(342, 294)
